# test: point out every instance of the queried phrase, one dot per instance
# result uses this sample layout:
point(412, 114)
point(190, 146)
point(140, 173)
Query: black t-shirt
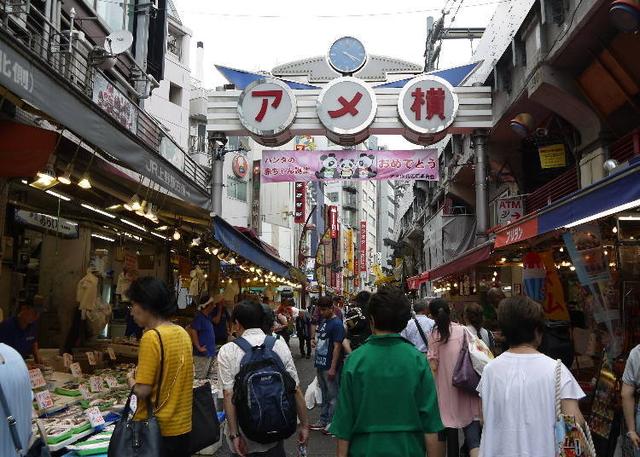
point(358, 329)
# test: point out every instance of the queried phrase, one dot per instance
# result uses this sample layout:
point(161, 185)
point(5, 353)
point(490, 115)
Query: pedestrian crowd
point(396, 379)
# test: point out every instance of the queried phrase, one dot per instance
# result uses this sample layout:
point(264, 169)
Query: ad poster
point(292, 166)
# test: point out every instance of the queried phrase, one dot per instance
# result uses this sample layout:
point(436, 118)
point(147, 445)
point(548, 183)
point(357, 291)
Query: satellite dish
point(118, 42)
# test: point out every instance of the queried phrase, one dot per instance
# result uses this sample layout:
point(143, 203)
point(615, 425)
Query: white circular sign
point(347, 106)
point(267, 107)
point(427, 105)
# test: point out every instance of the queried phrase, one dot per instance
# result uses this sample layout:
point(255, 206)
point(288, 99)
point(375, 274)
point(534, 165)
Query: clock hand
point(355, 59)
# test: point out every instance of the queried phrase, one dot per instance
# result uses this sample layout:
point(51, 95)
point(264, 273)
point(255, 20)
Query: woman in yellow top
point(165, 360)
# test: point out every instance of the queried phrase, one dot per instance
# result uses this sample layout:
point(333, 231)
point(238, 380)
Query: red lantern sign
point(300, 202)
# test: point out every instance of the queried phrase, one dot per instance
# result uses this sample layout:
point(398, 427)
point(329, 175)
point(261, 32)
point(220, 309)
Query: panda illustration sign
point(300, 166)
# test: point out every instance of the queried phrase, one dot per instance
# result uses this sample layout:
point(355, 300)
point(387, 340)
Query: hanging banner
point(348, 240)
point(363, 246)
point(584, 245)
point(554, 304)
point(255, 197)
point(290, 166)
point(552, 156)
point(333, 221)
point(300, 202)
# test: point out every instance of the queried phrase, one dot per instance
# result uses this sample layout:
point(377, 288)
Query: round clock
point(347, 55)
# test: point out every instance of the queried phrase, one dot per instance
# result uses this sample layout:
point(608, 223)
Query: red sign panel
point(517, 232)
point(333, 221)
point(363, 246)
point(300, 203)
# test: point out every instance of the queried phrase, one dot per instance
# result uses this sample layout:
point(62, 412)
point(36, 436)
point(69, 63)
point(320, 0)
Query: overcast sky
point(258, 35)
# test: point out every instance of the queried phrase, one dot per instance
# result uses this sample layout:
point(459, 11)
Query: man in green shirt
point(387, 406)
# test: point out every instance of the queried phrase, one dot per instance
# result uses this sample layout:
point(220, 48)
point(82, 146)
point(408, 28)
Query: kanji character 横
point(348, 107)
point(435, 103)
point(418, 100)
point(266, 95)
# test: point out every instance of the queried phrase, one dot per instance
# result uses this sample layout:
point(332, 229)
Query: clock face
point(347, 55)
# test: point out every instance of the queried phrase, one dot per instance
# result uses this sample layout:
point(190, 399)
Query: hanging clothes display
point(123, 284)
point(87, 293)
point(197, 282)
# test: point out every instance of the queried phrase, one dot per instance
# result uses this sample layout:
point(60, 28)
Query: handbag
point(133, 438)
point(572, 440)
point(37, 449)
point(465, 376)
point(205, 429)
point(479, 352)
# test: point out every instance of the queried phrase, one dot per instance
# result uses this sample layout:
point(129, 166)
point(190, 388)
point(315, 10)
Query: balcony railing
point(553, 190)
point(626, 147)
point(67, 53)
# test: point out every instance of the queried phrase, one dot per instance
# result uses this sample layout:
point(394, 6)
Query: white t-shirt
point(518, 405)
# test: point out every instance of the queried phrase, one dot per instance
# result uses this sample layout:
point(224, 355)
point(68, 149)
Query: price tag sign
point(36, 378)
point(95, 416)
point(76, 371)
point(111, 381)
point(84, 391)
point(44, 400)
point(67, 359)
point(133, 404)
point(91, 358)
point(112, 353)
point(95, 384)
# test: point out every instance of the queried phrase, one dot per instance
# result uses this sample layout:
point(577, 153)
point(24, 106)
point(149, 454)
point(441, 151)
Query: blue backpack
point(264, 394)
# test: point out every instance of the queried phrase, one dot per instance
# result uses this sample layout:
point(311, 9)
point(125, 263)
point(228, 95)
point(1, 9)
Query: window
point(117, 15)
point(236, 188)
point(174, 44)
point(175, 94)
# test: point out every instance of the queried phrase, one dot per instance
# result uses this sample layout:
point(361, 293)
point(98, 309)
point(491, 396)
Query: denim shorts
point(472, 433)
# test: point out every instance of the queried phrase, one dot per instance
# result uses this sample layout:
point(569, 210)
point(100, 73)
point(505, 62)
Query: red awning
point(415, 282)
point(24, 150)
point(517, 232)
point(463, 262)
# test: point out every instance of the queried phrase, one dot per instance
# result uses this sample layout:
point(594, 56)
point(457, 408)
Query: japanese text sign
point(510, 209)
point(300, 202)
point(552, 156)
point(44, 400)
point(333, 221)
point(428, 105)
point(36, 378)
point(292, 166)
point(95, 384)
point(363, 246)
point(95, 417)
point(267, 107)
point(347, 106)
point(76, 371)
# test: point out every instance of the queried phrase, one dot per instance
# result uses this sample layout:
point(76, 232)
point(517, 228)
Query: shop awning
point(517, 231)
point(233, 240)
point(415, 282)
point(464, 262)
point(24, 149)
point(615, 193)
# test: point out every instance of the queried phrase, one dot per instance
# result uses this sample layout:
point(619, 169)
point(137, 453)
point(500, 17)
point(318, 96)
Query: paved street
point(319, 445)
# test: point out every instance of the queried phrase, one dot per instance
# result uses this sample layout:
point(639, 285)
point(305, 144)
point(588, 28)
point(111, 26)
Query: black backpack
point(264, 394)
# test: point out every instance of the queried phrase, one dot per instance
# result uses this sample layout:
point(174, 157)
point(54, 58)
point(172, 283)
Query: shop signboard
point(300, 202)
point(584, 245)
point(552, 156)
point(255, 197)
point(36, 378)
point(267, 107)
point(114, 103)
point(44, 400)
point(291, 166)
point(517, 232)
point(240, 166)
point(349, 251)
point(510, 209)
point(61, 226)
point(333, 221)
point(428, 105)
point(363, 246)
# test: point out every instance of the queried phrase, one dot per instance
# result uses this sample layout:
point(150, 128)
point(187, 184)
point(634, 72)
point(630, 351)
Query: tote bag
point(205, 430)
point(465, 376)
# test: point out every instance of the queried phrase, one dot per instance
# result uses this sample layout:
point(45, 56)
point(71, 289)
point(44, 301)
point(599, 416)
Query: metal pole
point(479, 138)
point(217, 186)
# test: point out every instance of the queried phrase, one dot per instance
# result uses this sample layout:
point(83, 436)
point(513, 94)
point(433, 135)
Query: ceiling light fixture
point(133, 224)
point(97, 210)
point(159, 235)
point(102, 237)
point(601, 214)
point(176, 235)
point(56, 194)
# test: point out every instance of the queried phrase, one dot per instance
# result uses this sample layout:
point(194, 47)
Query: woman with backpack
point(459, 409)
point(474, 319)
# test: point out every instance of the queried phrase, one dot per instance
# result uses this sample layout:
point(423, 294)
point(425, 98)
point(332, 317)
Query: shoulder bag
point(465, 376)
point(572, 440)
point(205, 429)
point(421, 332)
point(480, 353)
point(139, 438)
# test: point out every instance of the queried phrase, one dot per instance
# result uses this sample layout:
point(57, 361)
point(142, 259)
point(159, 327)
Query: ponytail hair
point(441, 313)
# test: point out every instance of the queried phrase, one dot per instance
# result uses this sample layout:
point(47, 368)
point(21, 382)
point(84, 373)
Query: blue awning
point(233, 240)
point(454, 76)
point(608, 194)
point(242, 79)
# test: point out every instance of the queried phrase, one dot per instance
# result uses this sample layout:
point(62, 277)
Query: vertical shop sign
point(300, 202)
point(255, 197)
point(349, 251)
point(363, 246)
point(333, 221)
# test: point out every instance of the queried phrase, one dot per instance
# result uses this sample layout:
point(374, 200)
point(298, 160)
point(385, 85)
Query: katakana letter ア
point(435, 103)
point(418, 101)
point(266, 95)
point(348, 107)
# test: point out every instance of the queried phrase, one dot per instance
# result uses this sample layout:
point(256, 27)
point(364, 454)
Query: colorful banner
point(555, 305)
point(291, 166)
point(333, 221)
point(363, 246)
point(349, 254)
point(584, 245)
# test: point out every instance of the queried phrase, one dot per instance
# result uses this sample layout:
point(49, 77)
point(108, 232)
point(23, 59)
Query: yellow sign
point(377, 271)
point(555, 306)
point(349, 251)
point(553, 156)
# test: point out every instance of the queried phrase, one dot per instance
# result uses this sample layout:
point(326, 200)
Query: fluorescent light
point(629, 218)
point(609, 212)
point(98, 210)
point(56, 194)
point(113, 207)
point(25, 182)
point(164, 227)
point(102, 237)
point(133, 224)
point(159, 235)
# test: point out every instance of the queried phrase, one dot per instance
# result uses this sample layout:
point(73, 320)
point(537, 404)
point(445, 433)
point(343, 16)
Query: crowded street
point(309, 229)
